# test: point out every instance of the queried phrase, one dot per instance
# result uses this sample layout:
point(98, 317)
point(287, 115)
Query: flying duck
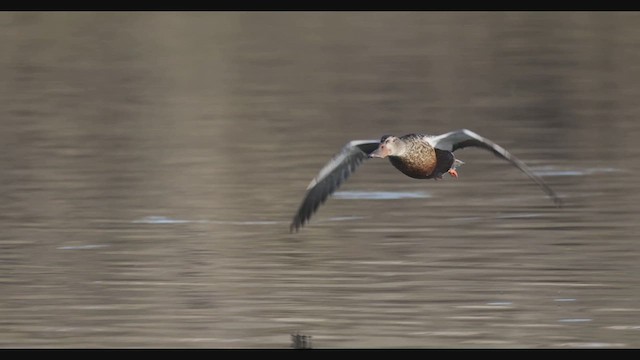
point(415, 155)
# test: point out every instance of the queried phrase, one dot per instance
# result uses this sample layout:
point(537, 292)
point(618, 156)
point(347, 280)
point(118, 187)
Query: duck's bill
point(379, 153)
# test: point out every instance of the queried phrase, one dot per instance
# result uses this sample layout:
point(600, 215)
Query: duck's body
point(417, 156)
point(419, 161)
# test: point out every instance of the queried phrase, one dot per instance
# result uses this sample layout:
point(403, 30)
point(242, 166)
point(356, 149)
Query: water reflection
point(151, 164)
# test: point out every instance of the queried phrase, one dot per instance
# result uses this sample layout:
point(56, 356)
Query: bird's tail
point(457, 163)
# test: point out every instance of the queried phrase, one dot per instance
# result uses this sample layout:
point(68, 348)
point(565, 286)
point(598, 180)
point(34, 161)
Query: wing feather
point(462, 138)
point(331, 176)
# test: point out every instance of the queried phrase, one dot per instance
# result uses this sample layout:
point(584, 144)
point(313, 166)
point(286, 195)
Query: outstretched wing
point(337, 170)
point(459, 139)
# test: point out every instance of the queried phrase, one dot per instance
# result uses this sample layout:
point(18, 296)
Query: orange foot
point(453, 173)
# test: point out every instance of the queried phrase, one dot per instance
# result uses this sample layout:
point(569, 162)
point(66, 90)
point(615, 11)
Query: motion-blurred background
point(151, 162)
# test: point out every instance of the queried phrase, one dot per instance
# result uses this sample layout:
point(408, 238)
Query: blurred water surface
point(151, 163)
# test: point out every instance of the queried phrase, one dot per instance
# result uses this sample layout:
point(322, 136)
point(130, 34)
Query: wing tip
point(297, 224)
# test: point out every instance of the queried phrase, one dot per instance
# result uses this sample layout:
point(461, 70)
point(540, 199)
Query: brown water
point(151, 163)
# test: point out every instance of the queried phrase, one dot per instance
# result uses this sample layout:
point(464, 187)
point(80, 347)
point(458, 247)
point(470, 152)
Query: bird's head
point(389, 146)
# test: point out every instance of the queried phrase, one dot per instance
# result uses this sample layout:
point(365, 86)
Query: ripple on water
point(168, 220)
point(82, 247)
point(160, 220)
point(553, 171)
point(591, 345)
point(577, 320)
point(380, 195)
